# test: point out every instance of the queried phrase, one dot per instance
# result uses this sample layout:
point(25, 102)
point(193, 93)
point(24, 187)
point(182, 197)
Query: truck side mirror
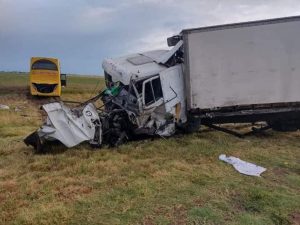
point(63, 79)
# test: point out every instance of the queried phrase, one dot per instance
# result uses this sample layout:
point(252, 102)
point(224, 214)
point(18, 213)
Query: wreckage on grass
point(131, 107)
point(114, 124)
point(212, 75)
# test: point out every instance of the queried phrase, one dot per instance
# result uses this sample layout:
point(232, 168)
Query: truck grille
point(45, 88)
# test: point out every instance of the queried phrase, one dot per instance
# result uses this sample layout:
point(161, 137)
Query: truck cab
point(151, 90)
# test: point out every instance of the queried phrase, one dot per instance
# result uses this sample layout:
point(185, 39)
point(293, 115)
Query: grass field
point(162, 181)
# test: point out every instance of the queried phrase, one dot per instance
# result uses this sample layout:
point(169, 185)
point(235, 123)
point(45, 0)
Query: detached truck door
point(173, 91)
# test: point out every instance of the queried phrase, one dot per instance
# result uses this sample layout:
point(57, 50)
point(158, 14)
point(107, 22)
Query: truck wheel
point(193, 124)
point(117, 137)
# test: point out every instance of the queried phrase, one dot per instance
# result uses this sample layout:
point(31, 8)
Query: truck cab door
point(172, 83)
point(151, 101)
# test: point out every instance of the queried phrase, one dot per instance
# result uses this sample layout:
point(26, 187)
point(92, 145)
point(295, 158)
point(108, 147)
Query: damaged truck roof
point(139, 65)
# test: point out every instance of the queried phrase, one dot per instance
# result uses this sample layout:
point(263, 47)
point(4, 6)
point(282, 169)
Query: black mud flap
point(34, 140)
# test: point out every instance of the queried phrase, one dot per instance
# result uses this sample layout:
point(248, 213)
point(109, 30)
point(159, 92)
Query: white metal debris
point(242, 166)
point(70, 127)
point(6, 107)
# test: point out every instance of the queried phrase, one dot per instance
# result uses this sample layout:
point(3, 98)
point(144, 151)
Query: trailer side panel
point(240, 64)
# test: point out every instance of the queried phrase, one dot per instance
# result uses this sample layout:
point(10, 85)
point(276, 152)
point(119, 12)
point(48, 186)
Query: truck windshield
point(44, 65)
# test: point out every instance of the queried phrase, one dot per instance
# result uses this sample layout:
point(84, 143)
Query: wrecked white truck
point(237, 73)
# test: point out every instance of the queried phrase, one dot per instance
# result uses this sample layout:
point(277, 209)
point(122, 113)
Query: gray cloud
point(83, 32)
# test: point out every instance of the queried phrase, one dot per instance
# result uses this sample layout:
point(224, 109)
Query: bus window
point(44, 65)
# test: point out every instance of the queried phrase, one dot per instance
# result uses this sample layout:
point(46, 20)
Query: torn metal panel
point(173, 91)
point(70, 127)
point(165, 57)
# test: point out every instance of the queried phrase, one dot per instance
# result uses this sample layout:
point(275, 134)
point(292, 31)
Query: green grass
point(174, 181)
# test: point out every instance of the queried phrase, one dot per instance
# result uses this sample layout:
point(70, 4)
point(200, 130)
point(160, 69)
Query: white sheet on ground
point(242, 166)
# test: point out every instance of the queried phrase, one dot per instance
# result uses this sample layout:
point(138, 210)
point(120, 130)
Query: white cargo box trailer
point(242, 64)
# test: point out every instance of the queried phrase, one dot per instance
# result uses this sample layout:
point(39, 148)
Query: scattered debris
point(17, 109)
point(5, 107)
point(242, 166)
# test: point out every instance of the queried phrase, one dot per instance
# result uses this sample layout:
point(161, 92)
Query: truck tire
point(193, 124)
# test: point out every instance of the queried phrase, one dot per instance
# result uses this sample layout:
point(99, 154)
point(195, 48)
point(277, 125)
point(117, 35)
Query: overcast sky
point(83, 32)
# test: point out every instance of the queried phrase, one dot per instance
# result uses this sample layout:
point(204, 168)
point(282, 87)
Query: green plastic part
point(114, 91)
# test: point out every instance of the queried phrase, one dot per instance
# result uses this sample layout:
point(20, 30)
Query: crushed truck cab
point(151, 90)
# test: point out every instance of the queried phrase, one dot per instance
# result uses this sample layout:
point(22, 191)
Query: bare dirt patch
point(178, 215)
point(295, 218)
point(13, 90)
point(18, 93)
point(280, 171)
point(72, 192)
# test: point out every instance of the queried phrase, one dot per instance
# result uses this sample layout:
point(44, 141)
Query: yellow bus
point(45, 77)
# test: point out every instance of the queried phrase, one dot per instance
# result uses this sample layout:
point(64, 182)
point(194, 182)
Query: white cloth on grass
point(242, 166)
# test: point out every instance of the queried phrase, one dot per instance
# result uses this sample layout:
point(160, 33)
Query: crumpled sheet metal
point(243, 167)
point(67, 126)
